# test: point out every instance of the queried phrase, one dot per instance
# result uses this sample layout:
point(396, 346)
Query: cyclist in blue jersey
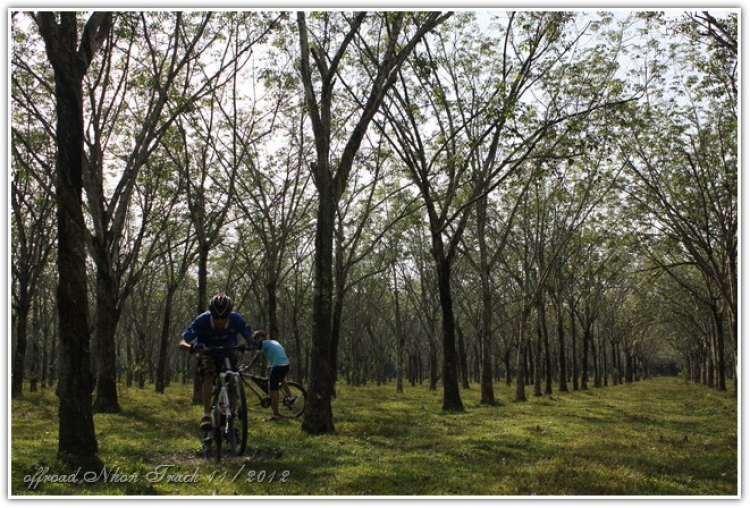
point(279, 364)
point(216, 327)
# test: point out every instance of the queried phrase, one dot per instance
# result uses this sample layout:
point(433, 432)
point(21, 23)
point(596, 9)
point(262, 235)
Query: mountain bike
point(289, 407)
point(228, 409)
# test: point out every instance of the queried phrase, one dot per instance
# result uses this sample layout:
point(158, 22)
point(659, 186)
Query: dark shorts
point(277, 374)
point(210, 366)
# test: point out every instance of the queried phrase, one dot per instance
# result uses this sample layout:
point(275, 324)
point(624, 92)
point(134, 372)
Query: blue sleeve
point(189, 334)
point(244, 327)
point(197, 328)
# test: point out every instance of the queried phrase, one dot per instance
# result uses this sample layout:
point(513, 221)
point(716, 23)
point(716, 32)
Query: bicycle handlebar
point(207, 349)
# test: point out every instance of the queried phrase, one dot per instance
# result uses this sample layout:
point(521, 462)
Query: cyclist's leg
point(273, 389)
point(207, 392)
point(285, 387)
point(276, 380)
point(207, 372)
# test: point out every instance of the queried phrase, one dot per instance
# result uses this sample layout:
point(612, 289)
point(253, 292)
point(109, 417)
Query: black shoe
point(206, 424)
point(289, 401)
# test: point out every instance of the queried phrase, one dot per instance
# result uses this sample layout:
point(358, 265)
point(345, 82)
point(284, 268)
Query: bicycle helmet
point(220, 306)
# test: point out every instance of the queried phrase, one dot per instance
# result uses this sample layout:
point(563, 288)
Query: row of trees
point(451, 197)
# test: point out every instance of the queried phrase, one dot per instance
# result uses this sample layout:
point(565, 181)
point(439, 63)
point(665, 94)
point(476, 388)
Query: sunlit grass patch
point(658, 437)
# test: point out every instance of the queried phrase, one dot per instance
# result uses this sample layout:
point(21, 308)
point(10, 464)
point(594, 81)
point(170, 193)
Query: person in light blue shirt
point(279, 365)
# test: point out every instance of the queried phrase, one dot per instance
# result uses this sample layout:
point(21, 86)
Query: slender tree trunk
point(615, 369)
point(400, 339)
point(562, 360)
point(338, 312)
point(485, 330)
point(603, 357)
point(46, 333)
point(272, 284)
point(161, 371)
point(202, 306)
point(300, 373)
point(538, 360)
point(585, 356)
point(508, 371)
point(19, 360)
point(721, 380)
point(573, 347)
point(595, 358)
point(629, 368)
point(545, 342)
point(36, 324)
point(521, 363)
point(34, 373)
point(433, 367)
point(463, 363)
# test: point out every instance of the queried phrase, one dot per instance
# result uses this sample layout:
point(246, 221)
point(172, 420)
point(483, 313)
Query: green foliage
point(658, 437)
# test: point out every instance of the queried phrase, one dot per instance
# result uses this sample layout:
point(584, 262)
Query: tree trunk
point(508, 372)
point(615, 367)
point(338, 312)
point(318, 417)
point(594, 358)
point(562, 361)
point(36, 324)
point(538, 360)
point(573, 346)
point(107, 316)
point(721, 380)
point(300, 373)
point(585, 356)
point(202, 306)
point(485, 330)
point(77, 443)
point(451, 396)
point(272, 283)
point(161, 372)
point(463, 363)
point(46, 332)
point(34, 374)
point(545, 342)
point(400, 339)
point(433, 367)
point(19, 360)
point(628, 368)
point(521, 363)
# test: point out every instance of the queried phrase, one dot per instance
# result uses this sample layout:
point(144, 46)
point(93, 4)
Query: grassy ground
point(658, 437)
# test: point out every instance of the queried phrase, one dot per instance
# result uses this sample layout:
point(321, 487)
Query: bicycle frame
point(263, 396)
point(224, 400)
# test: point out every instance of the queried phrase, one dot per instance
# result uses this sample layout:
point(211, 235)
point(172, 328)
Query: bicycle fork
point(224, 404)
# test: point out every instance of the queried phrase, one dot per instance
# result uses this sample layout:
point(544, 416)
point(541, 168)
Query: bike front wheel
point(293, 406)
point(237, 426)
point(217, 416)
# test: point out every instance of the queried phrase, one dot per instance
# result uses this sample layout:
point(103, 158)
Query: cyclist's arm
point(255, 359)
point(184, 345)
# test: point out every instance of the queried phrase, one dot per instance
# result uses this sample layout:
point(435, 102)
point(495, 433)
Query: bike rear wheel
point(294, 407)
